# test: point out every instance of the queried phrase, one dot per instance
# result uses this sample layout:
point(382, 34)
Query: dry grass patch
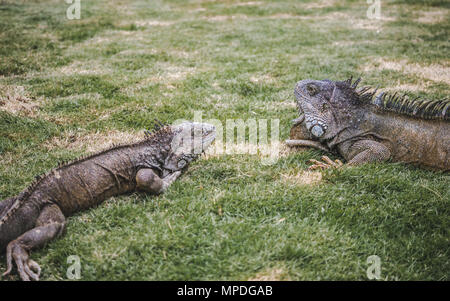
point(287, 150)
point(368, 24)
point(168, 75)
point(222, 18)
point(339, 16)
point(92, 142)
point(8, 159)
point(265, 78)
point(319, 4)
point(306, 177)
point(183, 54)
point(197, 10)
point(74, 97)
point(111, 36)
point(146, 50)
point(222, 101)
point(359, 23)
point(283, 16)
point(342, 18)
point(61, 117)
point(434, 72)
point(352, 43)
point(269, 152)
point(433, 17)
point(102, 255)
point(149, 23)
point(177, 72)
point(82, 68)
point(15, 100)
point(408, 87)
point(250, 3)
point(271, 274)
point(98, 40)
point(275, 105)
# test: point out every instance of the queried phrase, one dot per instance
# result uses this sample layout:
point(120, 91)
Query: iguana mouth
point(191, 141)
point(207, 140)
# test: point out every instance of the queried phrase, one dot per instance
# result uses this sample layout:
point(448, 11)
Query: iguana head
point(326, 105)
point(189, 140)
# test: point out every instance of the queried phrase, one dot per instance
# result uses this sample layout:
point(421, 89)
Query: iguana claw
point(168, 180)
point(326, 164)
point(27, 268)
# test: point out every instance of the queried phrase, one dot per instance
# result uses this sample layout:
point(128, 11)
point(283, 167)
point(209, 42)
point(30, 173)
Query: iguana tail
point(14, 203)
point(6, 206)
point(9, 206)
point(8, 221)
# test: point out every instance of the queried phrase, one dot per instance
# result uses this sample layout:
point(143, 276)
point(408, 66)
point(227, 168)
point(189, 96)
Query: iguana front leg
point(360, 152)
point(147, 180)
point(49, 225)
point(367, 151)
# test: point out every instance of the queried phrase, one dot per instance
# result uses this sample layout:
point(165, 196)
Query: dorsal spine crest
point(402, 103)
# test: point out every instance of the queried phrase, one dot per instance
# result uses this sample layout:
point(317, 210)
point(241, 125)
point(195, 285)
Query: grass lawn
point(71, 87)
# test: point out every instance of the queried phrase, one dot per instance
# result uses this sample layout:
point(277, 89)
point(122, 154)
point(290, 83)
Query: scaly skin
point(365, 129)
point(38, 214)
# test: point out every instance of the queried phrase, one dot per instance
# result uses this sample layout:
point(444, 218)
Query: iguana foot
point(28, 269)
point(326, 164)
point(168, 180)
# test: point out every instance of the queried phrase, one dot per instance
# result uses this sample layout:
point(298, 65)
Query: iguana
point(364, 127)
point(38, 214)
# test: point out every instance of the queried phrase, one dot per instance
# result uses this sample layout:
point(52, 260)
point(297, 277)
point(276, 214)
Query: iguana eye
point(324, 107)
point(312, 89)
point(182, 163)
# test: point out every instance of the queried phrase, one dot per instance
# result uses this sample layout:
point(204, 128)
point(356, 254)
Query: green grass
point(229, 217)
